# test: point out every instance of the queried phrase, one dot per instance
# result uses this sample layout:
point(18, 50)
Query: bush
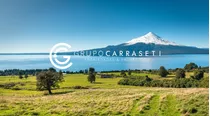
point(135, 81)
point(15, 88)
point(163, 72)
point(205, 69)
point(12, 85)
point(9, 85)
point(122, 73)
point(91, 75)
point(190, 66)
point(123, 81)
point(79, 87)
point(180, 73)
point(175, 83)
point(26, 76)
point(204, 82)
point(129, 72)
point(198, 74)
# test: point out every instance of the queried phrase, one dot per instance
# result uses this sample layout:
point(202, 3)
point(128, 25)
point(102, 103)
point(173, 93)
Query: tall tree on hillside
point(91, 76)
point(46, 80)
point(163, 72)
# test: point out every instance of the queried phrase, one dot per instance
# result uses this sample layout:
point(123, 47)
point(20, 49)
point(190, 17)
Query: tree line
point(33, 72)
point(195, 80)
point(173, 83)
point(188, 67)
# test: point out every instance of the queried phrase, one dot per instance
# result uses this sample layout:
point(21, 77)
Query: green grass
point(152, 108)
point(169, 107)
point(80, 79)
point(105, 97)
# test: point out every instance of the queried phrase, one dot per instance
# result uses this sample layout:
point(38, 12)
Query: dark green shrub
point(79, 87)
point(198, 74)
point(175, 83)
point(26, 76)
point(193, 110)
point(15, 88)
point(12, 85)
point(180, 73)
point(46, 80)
point(20, 75)
point(9, 85)
point(123, 81)
point(135, 81)
point(122, 73)
point(190, 66)
point(163, 72)
point(129, 72)
point(91, 75)
point(204, 82)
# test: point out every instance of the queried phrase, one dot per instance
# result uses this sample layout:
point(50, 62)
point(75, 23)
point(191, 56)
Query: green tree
point(147, 78)
point(122, 73)
point(190, 66)
point(163, 72)
point(91, 76)
point(198, 74)
point(129, 72)
point(52, 69)
point(26, 76)
point(61, 74)
point(20, 74)
point(180, 73)
point(81, 71)
point(46, 80)
point(86, 71)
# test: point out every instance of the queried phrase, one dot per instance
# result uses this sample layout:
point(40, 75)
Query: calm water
point(103, 63)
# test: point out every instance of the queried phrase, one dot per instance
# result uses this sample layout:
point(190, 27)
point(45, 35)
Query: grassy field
point(105, 97)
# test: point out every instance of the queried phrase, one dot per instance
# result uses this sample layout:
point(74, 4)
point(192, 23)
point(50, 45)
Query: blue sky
point(36, 25)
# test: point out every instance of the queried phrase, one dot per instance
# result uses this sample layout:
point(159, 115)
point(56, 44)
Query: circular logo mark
point(60, 47)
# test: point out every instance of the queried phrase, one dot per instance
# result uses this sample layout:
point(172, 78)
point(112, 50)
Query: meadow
point(76, 96)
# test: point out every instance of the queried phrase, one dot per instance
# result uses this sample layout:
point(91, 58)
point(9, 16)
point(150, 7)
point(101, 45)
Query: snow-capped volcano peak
point(150, 38)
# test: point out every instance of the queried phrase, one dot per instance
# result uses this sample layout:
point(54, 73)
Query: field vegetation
point(93, 94)
point(76, 96)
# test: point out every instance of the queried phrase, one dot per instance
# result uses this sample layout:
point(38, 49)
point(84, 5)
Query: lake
point(103, 63)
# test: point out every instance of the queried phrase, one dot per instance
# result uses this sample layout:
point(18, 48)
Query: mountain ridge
point(152, 42)
point(166, 47)
point(150, 38)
